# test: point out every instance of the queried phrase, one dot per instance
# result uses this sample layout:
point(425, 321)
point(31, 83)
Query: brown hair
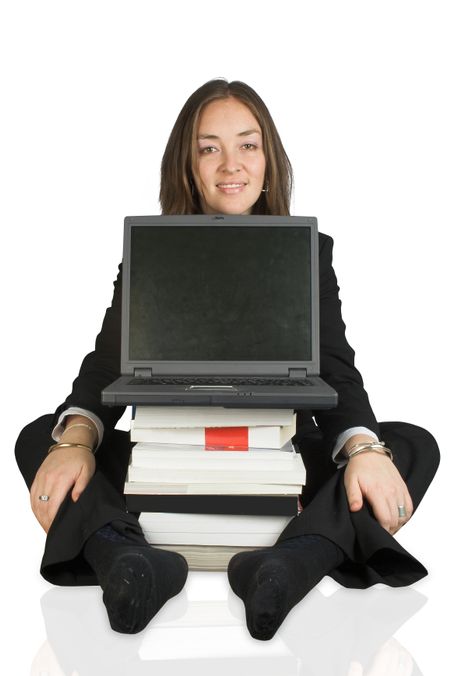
point(178, 194)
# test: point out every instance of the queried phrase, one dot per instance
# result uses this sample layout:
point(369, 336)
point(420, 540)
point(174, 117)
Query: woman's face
point(230, 159)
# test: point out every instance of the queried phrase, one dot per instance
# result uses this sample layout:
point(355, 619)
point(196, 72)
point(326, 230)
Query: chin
point(236, 212)
point(227, 207)
point(237, 209)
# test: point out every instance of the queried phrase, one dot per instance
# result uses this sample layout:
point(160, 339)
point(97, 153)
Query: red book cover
point(226, 438)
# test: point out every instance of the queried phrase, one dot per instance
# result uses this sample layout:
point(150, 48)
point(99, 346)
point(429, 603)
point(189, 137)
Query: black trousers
point(372, 554)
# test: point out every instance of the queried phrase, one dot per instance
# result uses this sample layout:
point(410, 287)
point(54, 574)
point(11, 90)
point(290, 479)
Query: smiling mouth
point(231, 187)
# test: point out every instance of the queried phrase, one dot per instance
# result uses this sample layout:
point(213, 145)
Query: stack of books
point(210, 482)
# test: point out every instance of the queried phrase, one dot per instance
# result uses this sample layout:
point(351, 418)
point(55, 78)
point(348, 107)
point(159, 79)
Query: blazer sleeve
point(100, 367)
point(337, 366)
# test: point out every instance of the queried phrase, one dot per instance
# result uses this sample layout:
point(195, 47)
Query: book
point(248, 539)
point(264, 436)
point(183, 488)
point(205, 557)
point(142, 450)
point(276, 505)
point(210, 482)
point(293, 473)
point(159, 523)
point(213, 462)
point(209, 416)
point(212, 529)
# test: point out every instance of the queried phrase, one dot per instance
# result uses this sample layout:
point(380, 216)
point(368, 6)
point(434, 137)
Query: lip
point(231, 187)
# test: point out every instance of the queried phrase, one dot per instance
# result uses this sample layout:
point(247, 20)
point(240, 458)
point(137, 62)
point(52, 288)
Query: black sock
point(136, 578)
point(272, 581)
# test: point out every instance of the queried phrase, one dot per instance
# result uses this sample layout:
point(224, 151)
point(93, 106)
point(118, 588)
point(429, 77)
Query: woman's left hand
point(374, 477)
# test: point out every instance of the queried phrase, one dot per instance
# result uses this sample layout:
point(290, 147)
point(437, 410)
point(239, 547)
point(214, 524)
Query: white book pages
point(210, 416)
point(144, 449)
point(211, 463)
point(234, 539)
point(166, 522)
point(206, 557)
point(149, 488)
point(221, 476)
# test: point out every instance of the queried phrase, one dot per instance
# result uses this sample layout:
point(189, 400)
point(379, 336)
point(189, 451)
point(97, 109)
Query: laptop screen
point(219, 293)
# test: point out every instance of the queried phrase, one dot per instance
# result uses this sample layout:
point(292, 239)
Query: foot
point(136, 579)
point(272, 581)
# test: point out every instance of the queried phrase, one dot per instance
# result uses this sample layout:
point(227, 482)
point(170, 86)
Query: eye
point(207, 150)
point(249, 146)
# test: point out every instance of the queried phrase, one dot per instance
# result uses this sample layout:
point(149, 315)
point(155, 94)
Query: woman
point(224, 155)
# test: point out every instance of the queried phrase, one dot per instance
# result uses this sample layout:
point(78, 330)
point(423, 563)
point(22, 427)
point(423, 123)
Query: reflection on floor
point(348, 633)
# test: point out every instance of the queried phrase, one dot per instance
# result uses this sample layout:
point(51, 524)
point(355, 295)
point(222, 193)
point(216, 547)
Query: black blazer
point(102, 367)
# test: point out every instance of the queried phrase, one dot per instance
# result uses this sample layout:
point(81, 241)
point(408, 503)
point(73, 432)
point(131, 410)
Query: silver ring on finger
point(44, 498)
point(401, 511)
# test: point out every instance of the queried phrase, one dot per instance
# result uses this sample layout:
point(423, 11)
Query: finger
point(394, 506)
point(405, 500)
point(406, 503)
point(39, 507)
point(389, 516)
point(81, 483)
point(392, 509)
point(354, 495)
point(34, 492)
point(42, 485)
point(54, 503)
point(382, 510)
point(46, 510)
point(402, 511)
point(41, 512)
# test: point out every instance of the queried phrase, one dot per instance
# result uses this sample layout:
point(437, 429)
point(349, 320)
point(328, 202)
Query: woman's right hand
point(63, 469)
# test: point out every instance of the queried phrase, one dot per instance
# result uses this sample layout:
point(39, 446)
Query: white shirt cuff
point(344, 437)
point(74, 410)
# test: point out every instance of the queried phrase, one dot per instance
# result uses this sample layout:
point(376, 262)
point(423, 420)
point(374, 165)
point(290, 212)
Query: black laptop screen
point(220, 293)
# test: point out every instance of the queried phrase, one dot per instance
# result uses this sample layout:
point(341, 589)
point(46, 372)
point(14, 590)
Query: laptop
point(220, 310)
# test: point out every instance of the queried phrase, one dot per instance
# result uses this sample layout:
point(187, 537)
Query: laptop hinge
point(297, 373)
point(142, 373)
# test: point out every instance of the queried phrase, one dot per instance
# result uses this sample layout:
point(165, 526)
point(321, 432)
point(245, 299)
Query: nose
point(230, 162)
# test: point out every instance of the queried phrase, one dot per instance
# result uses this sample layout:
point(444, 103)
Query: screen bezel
point(270, 368)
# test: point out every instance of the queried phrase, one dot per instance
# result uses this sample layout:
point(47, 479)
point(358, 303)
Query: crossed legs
point(95, 541)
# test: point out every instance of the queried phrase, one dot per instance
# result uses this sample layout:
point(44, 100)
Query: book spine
point(231, 438)
point(266, 505)
point(259, 437)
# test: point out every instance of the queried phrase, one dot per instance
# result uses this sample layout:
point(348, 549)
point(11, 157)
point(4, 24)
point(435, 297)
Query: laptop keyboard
point(220, 381)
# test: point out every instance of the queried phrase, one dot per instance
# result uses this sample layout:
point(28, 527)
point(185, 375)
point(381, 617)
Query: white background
point(359, 92)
